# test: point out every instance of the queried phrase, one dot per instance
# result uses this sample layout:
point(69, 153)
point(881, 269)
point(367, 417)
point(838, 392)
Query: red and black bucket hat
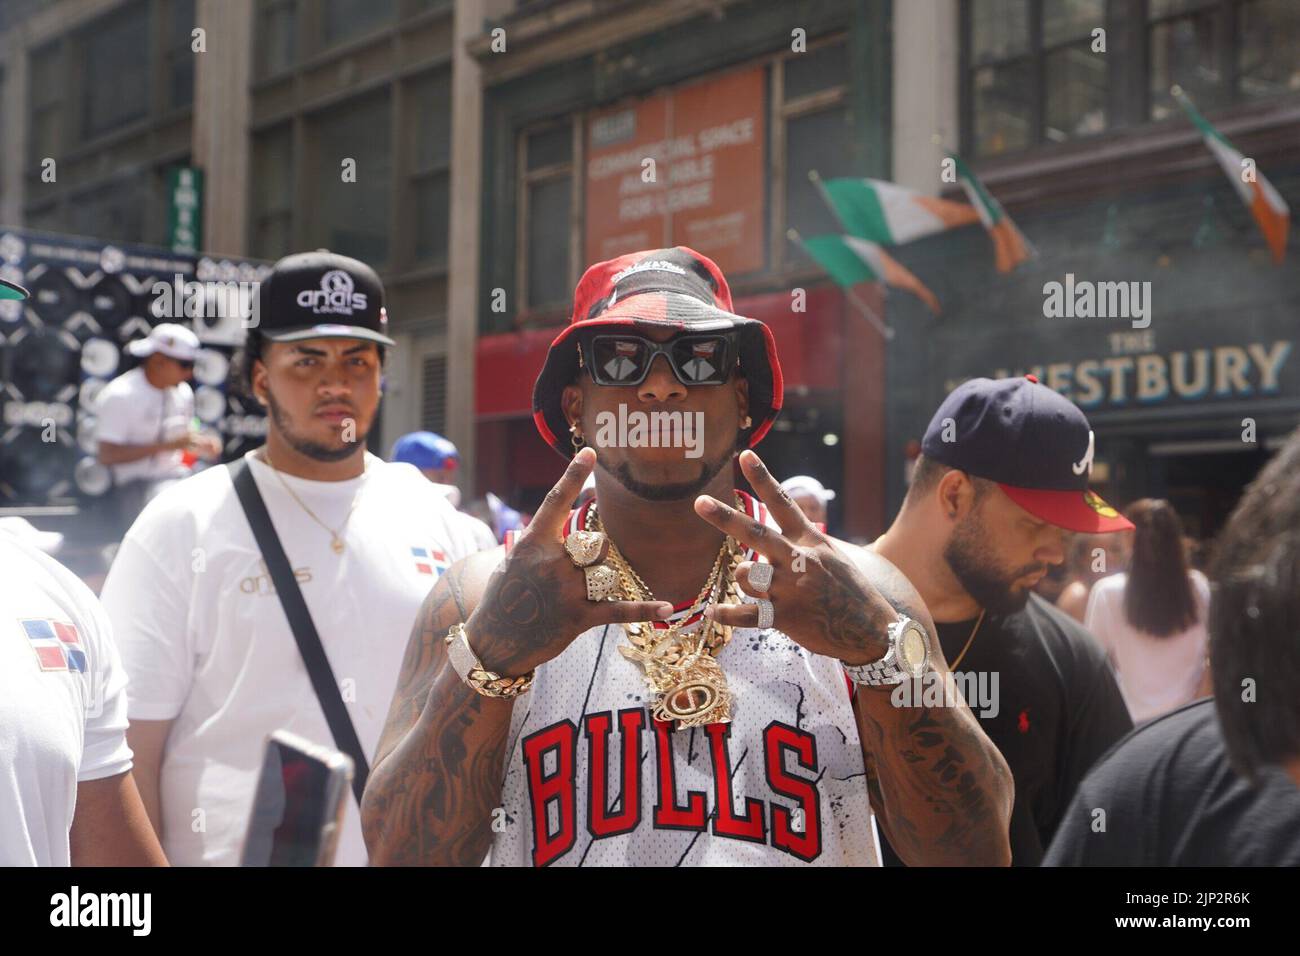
point(678, 288)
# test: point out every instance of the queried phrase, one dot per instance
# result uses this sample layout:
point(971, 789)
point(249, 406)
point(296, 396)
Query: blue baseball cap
point(12, 290)
point(426, 450)
point(1030, 439)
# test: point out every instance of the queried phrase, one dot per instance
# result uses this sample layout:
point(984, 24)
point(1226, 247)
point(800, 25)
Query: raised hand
point(535, 603)
point(820, 598)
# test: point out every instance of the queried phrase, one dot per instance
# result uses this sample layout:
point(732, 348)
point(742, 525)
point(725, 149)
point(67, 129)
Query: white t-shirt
point(478, 529)
point(1155, 674)
point(208, 646)
point(62, 703)
point(130, 411)
point(591, 779)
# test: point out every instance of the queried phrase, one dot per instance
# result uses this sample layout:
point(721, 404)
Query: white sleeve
point(105, 753)
point(148, 605)
point(113, 412)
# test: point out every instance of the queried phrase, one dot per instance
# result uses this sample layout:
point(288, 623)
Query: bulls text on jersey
point(554, 794)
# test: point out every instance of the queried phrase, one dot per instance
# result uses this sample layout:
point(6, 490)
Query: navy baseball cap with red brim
point(1030, 439)
point(12, 290)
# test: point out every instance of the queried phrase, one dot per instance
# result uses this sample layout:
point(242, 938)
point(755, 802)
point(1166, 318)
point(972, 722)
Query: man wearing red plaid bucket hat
point(1002, 478)
point(624, 629)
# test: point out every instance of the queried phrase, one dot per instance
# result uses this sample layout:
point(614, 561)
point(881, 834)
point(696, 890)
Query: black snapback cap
point(312, 295)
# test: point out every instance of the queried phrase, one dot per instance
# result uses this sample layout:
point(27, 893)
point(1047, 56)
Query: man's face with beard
point(322, 394)
point(662, 473)
point(999, 551)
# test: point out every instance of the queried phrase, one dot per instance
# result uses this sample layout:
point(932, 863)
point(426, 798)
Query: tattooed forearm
point(945, 790)
point(437, 771)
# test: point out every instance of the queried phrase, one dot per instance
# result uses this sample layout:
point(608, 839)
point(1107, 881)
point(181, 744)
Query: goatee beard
point(676, 491)
point(304, 446)
point(968, 556)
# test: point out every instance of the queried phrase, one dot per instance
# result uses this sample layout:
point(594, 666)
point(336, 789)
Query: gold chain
point(680, 669)
point(336, 542)
point(974, 630)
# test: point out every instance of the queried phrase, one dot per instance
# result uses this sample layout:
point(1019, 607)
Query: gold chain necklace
point(973, 631)
point(689, 685)
point(336, 537)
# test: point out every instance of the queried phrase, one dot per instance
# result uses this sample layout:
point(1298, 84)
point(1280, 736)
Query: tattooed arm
point(940, 788)
point(943, 792)
point(436, 775)
point(439, 765)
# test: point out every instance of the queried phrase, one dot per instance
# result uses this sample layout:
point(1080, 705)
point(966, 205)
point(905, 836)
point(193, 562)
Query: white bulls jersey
point(591, 779)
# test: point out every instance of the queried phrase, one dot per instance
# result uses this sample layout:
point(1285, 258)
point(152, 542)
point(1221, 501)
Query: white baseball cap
point(807, 485)
point(174, 341)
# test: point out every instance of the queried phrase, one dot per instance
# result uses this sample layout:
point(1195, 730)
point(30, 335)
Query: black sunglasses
point(625, 359)
point(184, 363)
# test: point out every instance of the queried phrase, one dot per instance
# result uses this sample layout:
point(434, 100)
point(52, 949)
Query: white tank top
point(591, 779)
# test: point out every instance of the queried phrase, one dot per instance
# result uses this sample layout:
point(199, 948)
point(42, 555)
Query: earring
point(576, 439)
point(746, 422)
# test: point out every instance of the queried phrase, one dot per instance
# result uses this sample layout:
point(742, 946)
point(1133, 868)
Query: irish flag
point(1269, 209)
point(891, 214)
point(850, 260)
point(1009, 245)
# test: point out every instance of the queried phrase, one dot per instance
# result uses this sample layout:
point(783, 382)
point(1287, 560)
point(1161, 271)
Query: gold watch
point(474, 674)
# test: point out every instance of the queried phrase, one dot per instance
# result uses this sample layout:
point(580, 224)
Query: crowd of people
point(780, 678)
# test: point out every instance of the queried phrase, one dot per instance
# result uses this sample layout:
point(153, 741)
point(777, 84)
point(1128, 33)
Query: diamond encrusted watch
point(907, 657)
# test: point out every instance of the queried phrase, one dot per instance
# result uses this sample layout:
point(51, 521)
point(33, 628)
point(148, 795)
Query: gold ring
point(602, 582)
point(586, 547)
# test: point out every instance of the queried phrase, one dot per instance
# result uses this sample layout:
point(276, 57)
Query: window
point(116, 65)
point(1268, 48)
point(433, 394)
point(271, 218)
point(344, 20)
point(352, 218)
point(1031, 74)
point(179, 55)
point(430, 178)
point(546, 207)
point(818, 134)
point(1186, 40)
point(113, 211)
point(277, 31)
point(46, 82)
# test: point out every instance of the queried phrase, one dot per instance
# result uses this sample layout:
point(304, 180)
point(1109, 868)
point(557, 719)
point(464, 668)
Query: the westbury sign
point(1136, 373)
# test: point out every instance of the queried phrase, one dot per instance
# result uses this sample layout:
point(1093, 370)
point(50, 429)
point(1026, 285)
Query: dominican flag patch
point(57, 644)
point(430, 561)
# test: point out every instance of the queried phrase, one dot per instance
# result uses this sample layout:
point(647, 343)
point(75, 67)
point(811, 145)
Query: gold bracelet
point(473, 673)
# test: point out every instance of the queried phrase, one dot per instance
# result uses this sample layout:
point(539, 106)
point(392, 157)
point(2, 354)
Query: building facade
point(682, 123)
point(316, 123)
point(1077, 134)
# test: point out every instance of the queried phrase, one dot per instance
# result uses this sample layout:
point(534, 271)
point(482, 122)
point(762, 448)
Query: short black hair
point(1255, 619)
point(927, 473)
point(241, 363)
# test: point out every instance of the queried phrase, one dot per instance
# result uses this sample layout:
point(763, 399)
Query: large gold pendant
point(337, 545)
point(700, 697)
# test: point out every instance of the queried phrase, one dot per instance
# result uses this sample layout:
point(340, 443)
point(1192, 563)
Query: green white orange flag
point(1265, 204)
point(850, 260)
point(887, 213)
point(1010, 247)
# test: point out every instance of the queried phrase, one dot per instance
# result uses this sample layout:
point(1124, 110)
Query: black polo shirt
point(1050, 704)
